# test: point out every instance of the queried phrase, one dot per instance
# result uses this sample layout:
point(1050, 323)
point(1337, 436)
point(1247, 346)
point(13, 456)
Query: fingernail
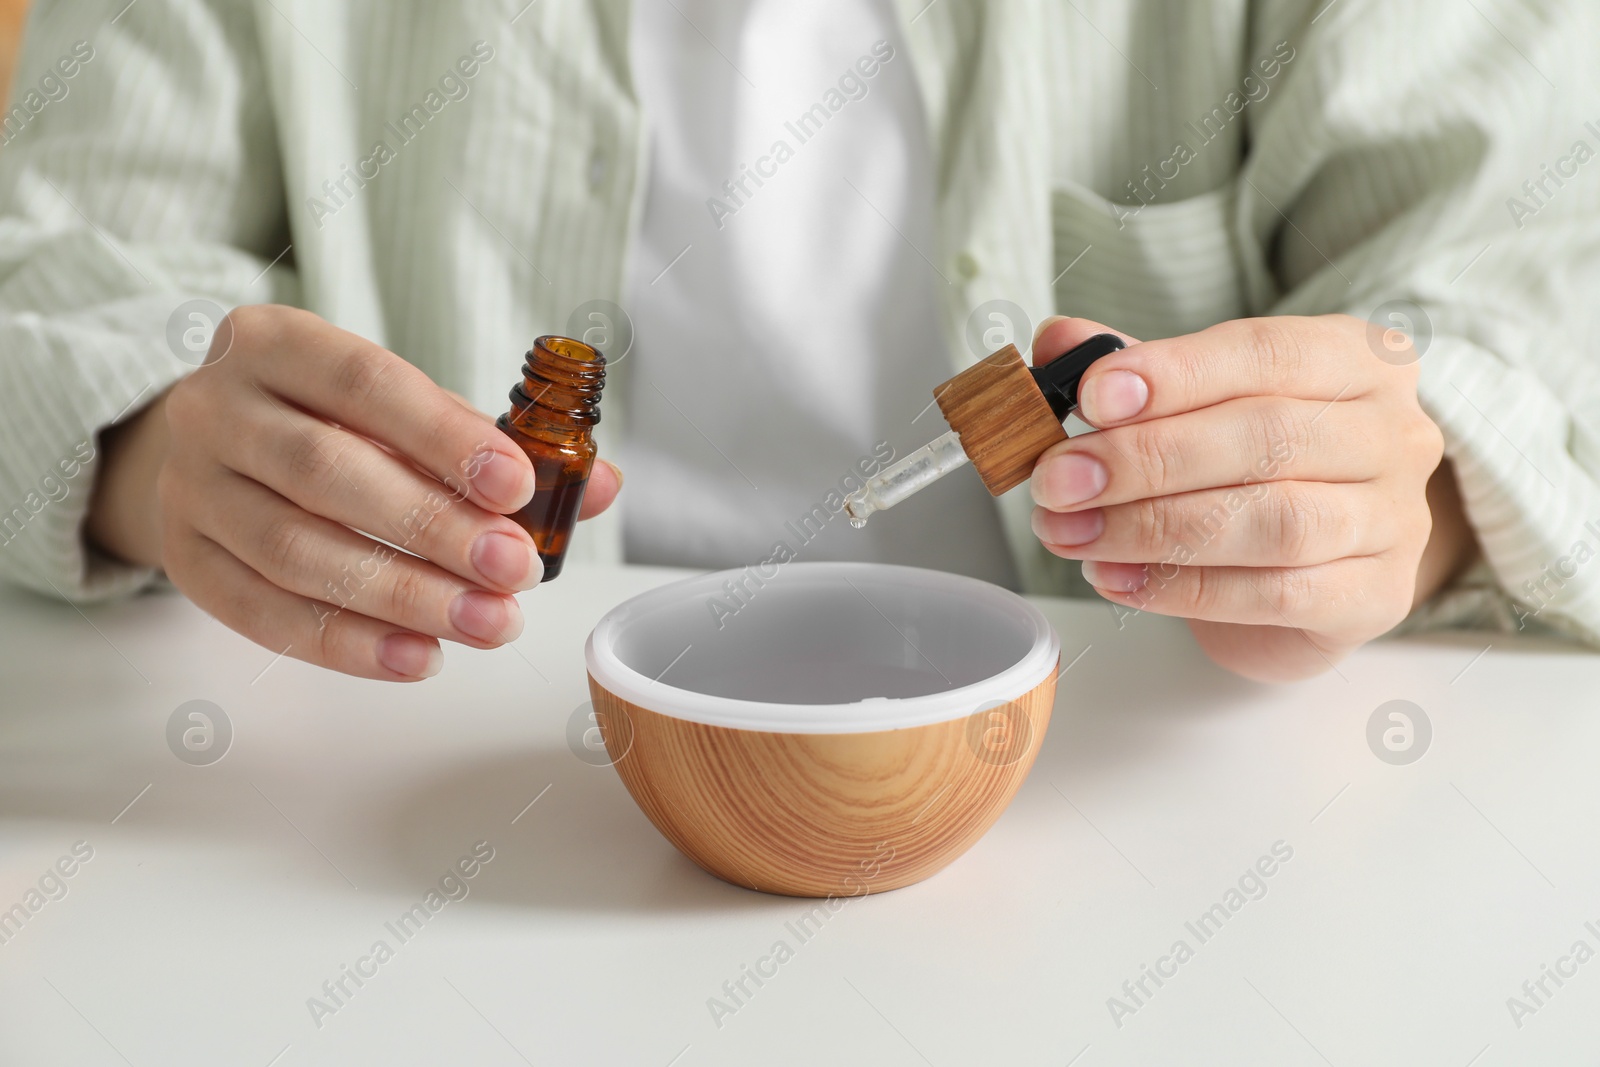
point(1049, 321)
point(1114, 577)
point(508, 560)
point(504, 481)
point(410, 655)
point(1068, 527)
point(1068, 478)
point(1112, 397)
point(614, 470)
point(486, 616)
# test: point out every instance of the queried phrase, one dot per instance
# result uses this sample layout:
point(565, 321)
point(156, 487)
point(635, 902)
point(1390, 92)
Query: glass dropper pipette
point(893, 484)
point(1057, 380)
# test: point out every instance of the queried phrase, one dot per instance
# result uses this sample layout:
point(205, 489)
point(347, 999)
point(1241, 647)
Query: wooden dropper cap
point(1008, 413)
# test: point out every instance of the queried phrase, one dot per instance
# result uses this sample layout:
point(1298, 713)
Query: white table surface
point(1418, 899)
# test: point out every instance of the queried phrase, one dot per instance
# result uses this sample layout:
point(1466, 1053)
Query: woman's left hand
point(1266, 479)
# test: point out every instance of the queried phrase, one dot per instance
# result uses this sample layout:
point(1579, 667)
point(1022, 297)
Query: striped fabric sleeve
point(1436, 167)
point(139, 174)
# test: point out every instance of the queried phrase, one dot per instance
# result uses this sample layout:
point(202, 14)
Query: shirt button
point(597, 169)
point(967, 266)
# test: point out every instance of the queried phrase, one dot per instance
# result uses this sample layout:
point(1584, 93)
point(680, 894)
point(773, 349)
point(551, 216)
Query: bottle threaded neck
point(561, 383)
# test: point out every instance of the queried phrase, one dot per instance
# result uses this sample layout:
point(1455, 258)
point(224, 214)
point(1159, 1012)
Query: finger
point(464, 402)
point(1234, 443)
point(292, 625)
point(1058, 334)
point(344, 477)
point(1316, 598)
point(605, 482)
point(351, 381)
point(323, 560)
point(1269, 524)
point(1276, 356)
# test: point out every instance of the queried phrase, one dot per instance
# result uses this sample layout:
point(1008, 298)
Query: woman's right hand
point(252, 480)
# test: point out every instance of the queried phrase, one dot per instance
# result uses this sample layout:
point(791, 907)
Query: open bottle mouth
point(822, 648)
point(567, 348)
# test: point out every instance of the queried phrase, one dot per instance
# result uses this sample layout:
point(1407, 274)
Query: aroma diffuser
point(823, 729)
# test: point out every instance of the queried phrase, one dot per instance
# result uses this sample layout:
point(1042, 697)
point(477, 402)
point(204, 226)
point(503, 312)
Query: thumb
point(605, 482)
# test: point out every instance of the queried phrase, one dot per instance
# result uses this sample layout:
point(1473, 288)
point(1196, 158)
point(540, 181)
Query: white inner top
point(822, 648)
point(785, 324)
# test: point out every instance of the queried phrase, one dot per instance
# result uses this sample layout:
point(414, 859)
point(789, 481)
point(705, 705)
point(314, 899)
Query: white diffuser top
point(822, 648)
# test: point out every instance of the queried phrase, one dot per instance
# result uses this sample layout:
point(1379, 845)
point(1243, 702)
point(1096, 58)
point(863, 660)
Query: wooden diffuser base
point(819, 815)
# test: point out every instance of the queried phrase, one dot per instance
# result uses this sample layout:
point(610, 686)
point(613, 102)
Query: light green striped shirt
point(451, 180)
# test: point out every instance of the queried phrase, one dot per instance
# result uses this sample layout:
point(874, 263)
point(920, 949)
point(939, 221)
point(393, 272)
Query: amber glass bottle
point(553, 412)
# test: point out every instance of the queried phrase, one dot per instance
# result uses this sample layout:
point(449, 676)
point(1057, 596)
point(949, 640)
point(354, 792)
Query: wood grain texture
point(1003, 419)
point(824, 815)
point(13, 14)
